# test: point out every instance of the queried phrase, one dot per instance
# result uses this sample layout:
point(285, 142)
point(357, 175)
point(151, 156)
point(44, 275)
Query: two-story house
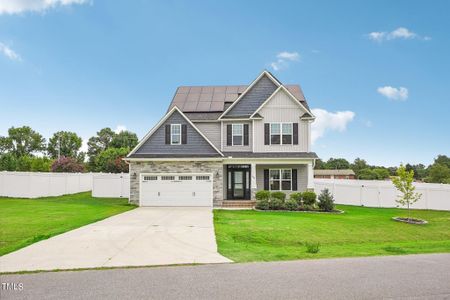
point(218, 144)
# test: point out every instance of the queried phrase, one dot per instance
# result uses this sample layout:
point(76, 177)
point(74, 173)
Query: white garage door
point(176, 189)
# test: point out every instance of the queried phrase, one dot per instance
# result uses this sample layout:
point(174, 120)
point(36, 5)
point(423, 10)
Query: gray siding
point(237, 148)
point(211, 130)
point(302, 176)
point(196, 144)
point(254, 97)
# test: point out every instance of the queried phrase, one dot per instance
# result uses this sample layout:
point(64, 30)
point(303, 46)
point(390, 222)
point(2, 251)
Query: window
point(184, 177)
point(167, 177)
point(280, 179)
point(175, 134)
point(202, 177)
point(237, 134)
point(146, 178)
point(281, 133)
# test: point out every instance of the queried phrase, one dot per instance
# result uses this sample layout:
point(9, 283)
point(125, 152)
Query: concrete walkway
point(391, 277)
point(143, 236)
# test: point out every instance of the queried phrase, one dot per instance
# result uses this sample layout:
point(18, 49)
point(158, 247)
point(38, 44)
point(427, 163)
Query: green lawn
point(266, 236)
point(26, 221)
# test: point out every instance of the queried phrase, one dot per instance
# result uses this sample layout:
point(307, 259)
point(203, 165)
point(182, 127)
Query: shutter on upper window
point(295, 133)
point(229, 135)
point(266, 133)
point(184, 134)
point(168, 134)
point(246, 135)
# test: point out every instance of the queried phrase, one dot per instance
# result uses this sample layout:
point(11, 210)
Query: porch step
point(238, 203)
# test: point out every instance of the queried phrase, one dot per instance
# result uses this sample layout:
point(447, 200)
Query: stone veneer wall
point(177, 167)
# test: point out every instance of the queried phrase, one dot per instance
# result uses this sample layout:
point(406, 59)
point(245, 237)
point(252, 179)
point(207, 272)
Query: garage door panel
point(176, 190)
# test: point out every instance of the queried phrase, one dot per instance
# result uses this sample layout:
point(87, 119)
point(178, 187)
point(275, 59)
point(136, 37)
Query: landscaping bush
point(326, 201)
point(296, 197)
point(312, 247)
point(262, 204)
point(67, 164)
point(262, 195)
point(276, 204)
point(309, 198)
point(291, 204)
point(278, 195)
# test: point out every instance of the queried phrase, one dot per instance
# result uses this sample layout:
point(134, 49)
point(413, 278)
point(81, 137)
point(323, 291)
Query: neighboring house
point(335, 174)
point(218, 144)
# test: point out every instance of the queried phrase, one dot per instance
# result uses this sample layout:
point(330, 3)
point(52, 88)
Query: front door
point(238, 185)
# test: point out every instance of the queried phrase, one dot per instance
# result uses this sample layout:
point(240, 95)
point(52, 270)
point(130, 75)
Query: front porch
point(241, 181)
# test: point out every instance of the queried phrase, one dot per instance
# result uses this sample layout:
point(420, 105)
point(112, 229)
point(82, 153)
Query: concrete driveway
point(143, 236)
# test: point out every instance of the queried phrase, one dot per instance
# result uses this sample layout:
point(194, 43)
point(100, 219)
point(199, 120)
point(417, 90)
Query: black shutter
point(266, 179)
point(245, 134)
point(295, 132)
point(266, 134)
point(229, 136)
point(167, 134)
point(294, 179)
point(184, 134)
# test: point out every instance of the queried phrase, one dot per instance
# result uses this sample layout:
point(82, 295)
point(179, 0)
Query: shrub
point(276, 204)
point(278, 195)
point(262, 204)
point(262, 195)
point(309, 198)
point(326, 201)
point(291, 204)
point(296, 197)
point(67, 164)
point(312, 247)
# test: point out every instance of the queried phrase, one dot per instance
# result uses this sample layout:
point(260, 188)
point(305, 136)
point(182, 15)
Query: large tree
point(358, 165)
point(22, 141)
point(64, 143)
point(439, 173)
point(99, 143)
point(337, 163)
point(110, 161)
point(124, 139)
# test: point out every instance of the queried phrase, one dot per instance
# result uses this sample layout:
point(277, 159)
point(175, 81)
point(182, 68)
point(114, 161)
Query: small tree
point(326, 201)
point(403, 182)
point(67, 164)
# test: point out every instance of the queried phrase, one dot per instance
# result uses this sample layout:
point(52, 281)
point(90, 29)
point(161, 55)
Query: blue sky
point(376, 73)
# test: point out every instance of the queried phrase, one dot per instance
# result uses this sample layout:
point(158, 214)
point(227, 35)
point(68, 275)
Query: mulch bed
point(410, 220)
point(336, 211)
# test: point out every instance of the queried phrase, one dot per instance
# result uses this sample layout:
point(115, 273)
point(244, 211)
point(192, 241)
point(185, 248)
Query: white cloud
point(393, 93)
point(283, 59)
point(329, 121)
point(9, 53)
point(399, 33)
point(120, 128)
point(20, 6)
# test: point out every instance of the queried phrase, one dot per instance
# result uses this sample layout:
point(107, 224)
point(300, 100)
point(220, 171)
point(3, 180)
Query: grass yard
point(26, 221)
point(267, 236)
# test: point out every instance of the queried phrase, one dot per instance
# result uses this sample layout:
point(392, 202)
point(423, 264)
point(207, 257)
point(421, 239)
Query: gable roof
point(161, 122)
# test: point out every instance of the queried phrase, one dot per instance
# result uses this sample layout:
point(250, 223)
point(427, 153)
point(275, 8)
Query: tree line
point(25, 149)
point(437, 172)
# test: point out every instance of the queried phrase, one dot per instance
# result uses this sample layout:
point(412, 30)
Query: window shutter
point(295, 132)
point(184, 134)
point(245, 134)
point(266, 133)
point(229, 135)
point(294, 179)
point(266, 179)
point(168, 134)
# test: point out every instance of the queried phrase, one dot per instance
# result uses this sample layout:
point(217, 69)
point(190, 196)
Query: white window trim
point(172, 134)
point(232, 134)
point(281, 179)
point(281, 133)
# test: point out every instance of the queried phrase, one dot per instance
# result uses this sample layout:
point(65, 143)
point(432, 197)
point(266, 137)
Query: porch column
point(310, 185)
point(253, 173)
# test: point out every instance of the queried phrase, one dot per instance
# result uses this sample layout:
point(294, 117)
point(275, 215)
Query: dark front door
point(238, 182)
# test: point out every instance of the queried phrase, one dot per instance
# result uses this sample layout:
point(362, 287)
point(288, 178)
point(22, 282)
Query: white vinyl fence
point(37, 184)
point(375, 193)
point(111, 185)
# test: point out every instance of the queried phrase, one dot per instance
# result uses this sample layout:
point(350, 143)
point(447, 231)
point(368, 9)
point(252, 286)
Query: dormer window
point(175, 134)
point(238, 134)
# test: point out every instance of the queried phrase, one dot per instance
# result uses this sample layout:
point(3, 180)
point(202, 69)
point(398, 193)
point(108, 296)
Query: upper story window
point(237, 134)
point(281, 133)
point(175, 134)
